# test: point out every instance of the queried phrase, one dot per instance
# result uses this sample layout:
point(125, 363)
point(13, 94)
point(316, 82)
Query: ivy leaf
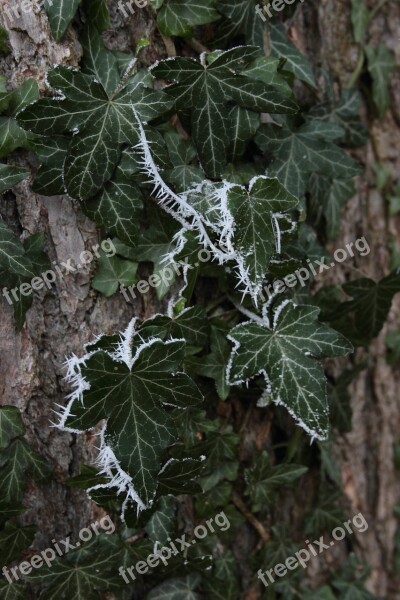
point(381, 64)
point(206, 89)
point(60, 13)
point(98, 61)
point(182, 152)
point(214, 364)
point(83, 573)
point(97, 14)
point(4, 47)
point(177, 17)
point(296, 62)
point(14, 540)
point(12, 136)
point(130, 391)
point(155, 244)
point(10, 176)
point(285, 356)
point(113, 272)
point(363, 317)
point(12, 253)
point(100, 124)
point(17, 460)
point(191, 325)
point(117, 209)
point(360, 19)
point(299, 152)
point(176, 589)
point(264, 480)
point(241, 17)
point(161, 524)
point(12, 591)
point(256, 213)
point(345, 114)
point(331, 196)
point(178, 477)
point(52, 153)
point(11, 425)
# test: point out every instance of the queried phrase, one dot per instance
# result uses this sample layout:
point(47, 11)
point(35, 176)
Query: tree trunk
point(69, 314)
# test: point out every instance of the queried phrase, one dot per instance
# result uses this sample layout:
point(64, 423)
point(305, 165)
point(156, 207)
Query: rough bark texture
point(63, 318)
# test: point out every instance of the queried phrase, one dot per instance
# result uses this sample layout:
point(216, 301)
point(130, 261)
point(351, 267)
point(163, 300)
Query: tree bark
point(69, 314)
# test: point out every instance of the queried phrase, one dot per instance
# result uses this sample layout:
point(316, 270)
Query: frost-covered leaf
point(191, 325)
point(285, 355)
point(256, 213)
point(177, 17)
point(100, 124)
point(129, 390)
point(113, 272)
point(206, 90)
point(60, 14)
point(11, 425)
point(240, 18)
point(296, 63)
point(299, 152)
point(381, 64)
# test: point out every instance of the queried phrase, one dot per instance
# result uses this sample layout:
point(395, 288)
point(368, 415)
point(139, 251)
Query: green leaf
point(178, 477)
point(206, 89)
point(176, 589)
point(264, 480)
point(360, 19)
point(52, 153)
point(214, 364)
point(83, 573)
point(12, 591)
point(362, 318)
point(11, 425)
point(10, 176)
point(177, 17)
point(13, 541)
point(392, 341)
point(12, 253)
point(98, 61)
point(113, 272)
point(330, 196)
point(4, 47)
point(241, 17)
point(161, 524)
point(296, 63)
point(256, 212)
point(299, 152)
point(60, 13)
point(100, 124)
point(118, 209)
point(130, 391)
point(286, 349)
point(157, 242)
point(16, 462)
point(191, 325)
point(381, 64)
point(97, 14)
